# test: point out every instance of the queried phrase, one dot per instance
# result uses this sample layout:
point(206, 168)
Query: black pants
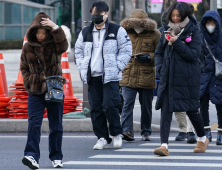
point(166, 118)
point(104, 102)
point(145, 99)
point(204, 111)
point(36, 107)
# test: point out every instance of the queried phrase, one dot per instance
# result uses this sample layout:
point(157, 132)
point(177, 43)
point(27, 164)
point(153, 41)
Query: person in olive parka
point(139, 74)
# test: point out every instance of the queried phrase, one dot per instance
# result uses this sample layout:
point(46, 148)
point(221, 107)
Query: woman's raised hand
point(47, 22)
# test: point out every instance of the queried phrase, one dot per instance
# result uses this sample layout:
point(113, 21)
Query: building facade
point(17, 15)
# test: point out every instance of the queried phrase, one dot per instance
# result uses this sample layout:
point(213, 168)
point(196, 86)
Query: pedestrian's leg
point(129, 96)
point(166, 118)
point(98, 118)
point(182, 124)
point(146, 99)
point(190, 132)
point(198, 124)
point(55, 114)
point(110, 106)
point(36, 107)
point(181, 121)
point(219, 117)
point(204, 111)
point(165, 123)
point(190, 127)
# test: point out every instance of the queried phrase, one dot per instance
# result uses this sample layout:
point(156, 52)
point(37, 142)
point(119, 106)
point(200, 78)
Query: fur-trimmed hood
point(139, 19)
point(36, 24)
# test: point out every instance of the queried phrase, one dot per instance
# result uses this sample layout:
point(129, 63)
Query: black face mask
point(97, 19)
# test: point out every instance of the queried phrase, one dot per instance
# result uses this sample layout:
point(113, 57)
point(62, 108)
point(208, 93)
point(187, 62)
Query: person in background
point(211, 86)
point(139, 76)
point(176, 62)
point(102, 51)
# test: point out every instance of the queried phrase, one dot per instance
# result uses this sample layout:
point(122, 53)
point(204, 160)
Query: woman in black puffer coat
point(176, 59)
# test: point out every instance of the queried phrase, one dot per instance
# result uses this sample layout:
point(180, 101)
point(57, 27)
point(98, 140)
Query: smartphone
point(167, 32)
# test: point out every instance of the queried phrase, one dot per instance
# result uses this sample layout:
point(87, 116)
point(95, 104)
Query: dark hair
point(191, 8)
point(182, 7)
point(33, 35)
point(210, 19)
point(100, 7)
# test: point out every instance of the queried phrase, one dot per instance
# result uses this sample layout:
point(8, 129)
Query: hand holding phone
point(167, 34)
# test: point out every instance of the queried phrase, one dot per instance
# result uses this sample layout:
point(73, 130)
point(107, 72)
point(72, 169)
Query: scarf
point(177, 28)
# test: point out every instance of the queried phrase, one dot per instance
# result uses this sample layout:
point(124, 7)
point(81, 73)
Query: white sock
point(202, 139)
point(165, 144)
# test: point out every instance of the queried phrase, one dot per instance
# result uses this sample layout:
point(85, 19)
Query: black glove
point(144, 58)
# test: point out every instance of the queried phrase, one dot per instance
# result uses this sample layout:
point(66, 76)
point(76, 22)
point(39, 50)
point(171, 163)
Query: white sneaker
point(100, 144)
point(57, 164)
point(117, 141)
point(30, 162)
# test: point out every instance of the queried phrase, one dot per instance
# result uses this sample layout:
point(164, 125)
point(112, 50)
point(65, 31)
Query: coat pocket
point(147, 77)
point(126, 75)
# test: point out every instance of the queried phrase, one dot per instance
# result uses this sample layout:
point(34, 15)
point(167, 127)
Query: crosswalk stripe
point(177, 144)
point(80, 169)
point(198, 157)
point(142, 163)
point(90, 136)
point(170, 138)
point(170, 150)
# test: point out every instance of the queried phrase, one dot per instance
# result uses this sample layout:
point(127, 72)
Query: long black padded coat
point(209, 83)
point(179, 69)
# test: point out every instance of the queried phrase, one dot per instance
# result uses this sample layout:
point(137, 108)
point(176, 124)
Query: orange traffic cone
point(4, 100)
point(3, 75)
point(70, 102)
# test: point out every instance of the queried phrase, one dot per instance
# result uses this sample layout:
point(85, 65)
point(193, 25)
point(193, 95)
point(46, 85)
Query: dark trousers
point(104, 102)
point(204, 111)
point(145, 99)
point(36, 107)
point(166, 118)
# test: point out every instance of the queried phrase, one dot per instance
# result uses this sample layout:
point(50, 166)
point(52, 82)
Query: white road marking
point(142, 163)
point(198, 157)
point(170, 150)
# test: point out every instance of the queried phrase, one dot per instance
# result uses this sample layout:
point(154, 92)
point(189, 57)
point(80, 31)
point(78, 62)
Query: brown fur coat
point(49, 53)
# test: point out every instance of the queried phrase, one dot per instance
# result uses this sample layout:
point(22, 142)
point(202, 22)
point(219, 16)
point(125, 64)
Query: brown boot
point(201, 147)
point(162, 151)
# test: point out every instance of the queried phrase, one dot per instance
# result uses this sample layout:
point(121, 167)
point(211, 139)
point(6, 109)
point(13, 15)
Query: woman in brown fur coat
point(47, 41)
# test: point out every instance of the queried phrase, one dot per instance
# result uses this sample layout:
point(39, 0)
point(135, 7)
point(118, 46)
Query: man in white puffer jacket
point(102, 51)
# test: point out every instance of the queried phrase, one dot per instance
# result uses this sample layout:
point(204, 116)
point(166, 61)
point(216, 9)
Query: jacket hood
point(214, 37)
point(139, 19)
point(163, 18)
point(35, 25)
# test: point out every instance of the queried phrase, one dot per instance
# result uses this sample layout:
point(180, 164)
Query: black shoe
point(219, 138)
point(146, 138)
point(191, 137)
point(208, 134)
point(181, 136)
point(128, 136)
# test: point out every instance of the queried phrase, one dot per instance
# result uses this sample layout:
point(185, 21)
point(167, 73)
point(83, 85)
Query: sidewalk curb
point(69, 125)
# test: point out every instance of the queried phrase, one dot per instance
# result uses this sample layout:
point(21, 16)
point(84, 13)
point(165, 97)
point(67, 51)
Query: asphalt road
point(78, 154)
